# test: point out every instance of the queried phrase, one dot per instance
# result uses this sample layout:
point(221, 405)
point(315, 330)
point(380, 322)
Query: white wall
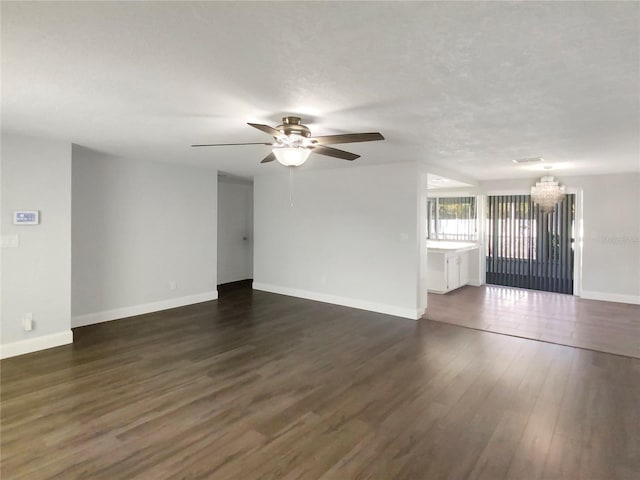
point(138, 226)
point(36, 276)
point(351, 237)
point(611, 240)
point(235, 231)
point(611, 247)
point(423, 268)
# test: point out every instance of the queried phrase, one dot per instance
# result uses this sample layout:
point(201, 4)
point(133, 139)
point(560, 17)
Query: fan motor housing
point(292, 125)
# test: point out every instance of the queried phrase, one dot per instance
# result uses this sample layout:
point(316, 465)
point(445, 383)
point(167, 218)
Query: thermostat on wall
point(26, 217)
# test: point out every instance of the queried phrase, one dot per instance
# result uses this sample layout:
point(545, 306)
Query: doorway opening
point(235, 232)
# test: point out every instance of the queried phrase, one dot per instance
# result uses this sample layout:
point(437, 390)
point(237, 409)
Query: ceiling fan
point(293, 142)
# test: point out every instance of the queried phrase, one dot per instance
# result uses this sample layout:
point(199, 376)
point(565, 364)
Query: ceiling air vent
point(520, 161)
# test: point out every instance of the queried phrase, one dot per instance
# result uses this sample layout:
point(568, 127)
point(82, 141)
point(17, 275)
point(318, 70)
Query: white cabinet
point(453, 271)
point(464, 267)
point(448, 269)
point(457, 270)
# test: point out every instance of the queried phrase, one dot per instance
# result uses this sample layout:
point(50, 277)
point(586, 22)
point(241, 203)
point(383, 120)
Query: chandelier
point(547, 193)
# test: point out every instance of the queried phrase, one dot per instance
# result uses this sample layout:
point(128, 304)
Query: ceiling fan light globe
point(291, 156)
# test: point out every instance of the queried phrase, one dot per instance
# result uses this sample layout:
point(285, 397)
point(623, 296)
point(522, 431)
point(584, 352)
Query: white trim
point(124, 312)
point(578, 243)
point(37, 343)
point(611, 297)
point(481, 211)
point(412, 314)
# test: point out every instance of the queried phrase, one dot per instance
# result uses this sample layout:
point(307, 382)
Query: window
point(452, 218)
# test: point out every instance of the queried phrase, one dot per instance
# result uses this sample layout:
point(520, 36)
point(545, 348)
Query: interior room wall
point(235, 230)
point(144, 236)
point(36, 259)
point(611, 242)
point(350, 237)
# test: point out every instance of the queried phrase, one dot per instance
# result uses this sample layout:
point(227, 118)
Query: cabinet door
point(464, 268)
point(453, 272)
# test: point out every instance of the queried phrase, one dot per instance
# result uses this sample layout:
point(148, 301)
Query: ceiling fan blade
point(266, 129)
point(227, 144)
point(348, 138)
point(269, 158)
point(334, 152)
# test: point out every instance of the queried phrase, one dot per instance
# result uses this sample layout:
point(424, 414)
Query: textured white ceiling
point(467, 86)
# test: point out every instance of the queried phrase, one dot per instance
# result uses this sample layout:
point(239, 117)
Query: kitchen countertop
point(450, 246)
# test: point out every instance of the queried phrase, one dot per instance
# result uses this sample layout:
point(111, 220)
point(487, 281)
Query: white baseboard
point(37, 343)
point(610, 297)
point(412, 314)
point(124, 312)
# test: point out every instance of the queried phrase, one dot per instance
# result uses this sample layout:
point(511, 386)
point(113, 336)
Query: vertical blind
point(527, 248)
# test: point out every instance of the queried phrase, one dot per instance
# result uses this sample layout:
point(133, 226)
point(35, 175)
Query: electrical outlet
point(173, 285)
point(27, 322)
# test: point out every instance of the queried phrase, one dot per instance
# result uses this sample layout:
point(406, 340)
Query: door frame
point(577, 244)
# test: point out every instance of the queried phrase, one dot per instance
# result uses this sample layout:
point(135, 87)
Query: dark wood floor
point(263, 386)
point(551, 317)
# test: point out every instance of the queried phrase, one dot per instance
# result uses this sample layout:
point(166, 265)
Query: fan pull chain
point(291, 186)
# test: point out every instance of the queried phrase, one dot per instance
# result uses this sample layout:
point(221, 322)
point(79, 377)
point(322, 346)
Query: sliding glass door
point(527, 248)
